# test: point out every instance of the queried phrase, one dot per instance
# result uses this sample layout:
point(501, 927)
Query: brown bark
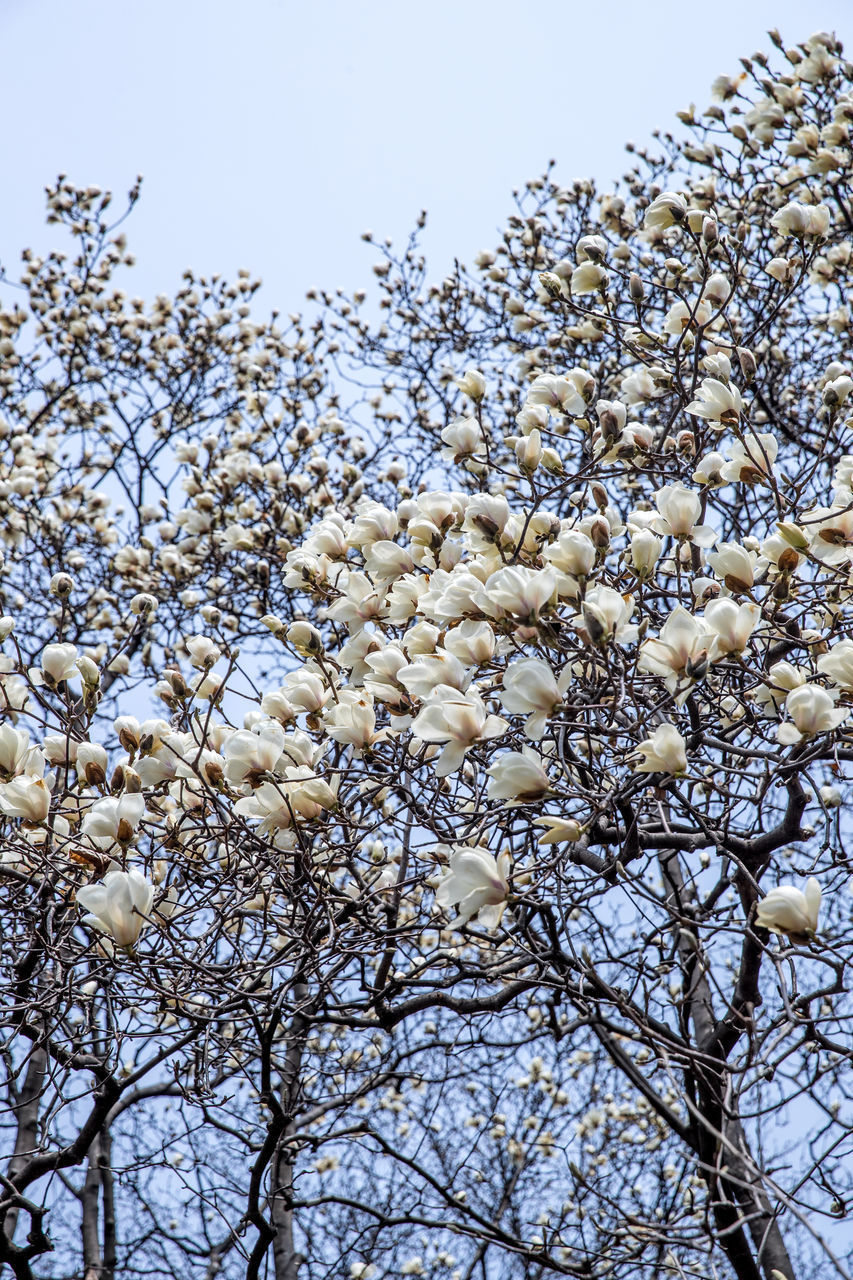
point(26, 1108)
point(742, 1209)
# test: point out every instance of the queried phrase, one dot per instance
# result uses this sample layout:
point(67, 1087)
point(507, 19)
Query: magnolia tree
point(425, 740)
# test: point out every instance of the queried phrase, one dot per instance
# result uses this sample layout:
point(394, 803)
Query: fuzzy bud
point(61, 585)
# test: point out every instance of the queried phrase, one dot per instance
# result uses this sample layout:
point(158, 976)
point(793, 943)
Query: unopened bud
point(709, 230)
point(179, 685)
point(636, 288)
point(91, 763)
point(89, 671)
point(551, 283)
point(697, 667)
point(143, 604)
point(595, 623)
point(124, 831)
point(600, 534)
point(599, 495)
point(748, 365)
point(273, 624)
point(213, 773)
point(793, 535)
point(305, 638)
point(61, 585)
point(609, 424)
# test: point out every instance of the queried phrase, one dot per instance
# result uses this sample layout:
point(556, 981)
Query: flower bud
point(91, 763)
point(273, 624)
point(61, 584)
point(143, 604)
point(89, 671)
point(472, 384)
point(551, 283)
point(747, 362)
point(636, 288)
point(599, 533)
point(305, 638)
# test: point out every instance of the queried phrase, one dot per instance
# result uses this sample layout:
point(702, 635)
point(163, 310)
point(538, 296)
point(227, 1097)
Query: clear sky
point(272, 133)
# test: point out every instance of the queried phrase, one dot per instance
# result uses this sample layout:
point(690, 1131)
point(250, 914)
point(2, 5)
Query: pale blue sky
point(272, 133)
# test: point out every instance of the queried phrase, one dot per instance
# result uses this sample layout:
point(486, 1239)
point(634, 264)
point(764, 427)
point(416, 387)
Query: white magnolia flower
point(802, 220)
point(519, 777)
point(471, 642)
point(588, 278)
point(472, 384)
point(836, 391)
point(381, 680)
point(812, 711)
point(734, 565)
point(717, 403)
point(732, 625)
point(203, 651)
point(18, 754)
point(374, 523)
point(250, 756)
point(645, 551)
point(386, 560)
point(118, 906)
point(606, 615)
point(573, 552)
point(781, 679)
point(528, 451)
point(114, 818)
point(530, 688)
point(297, 792)
point(422, 677)
point(679, 510)
point(91, 763)
point(780, 269)
point(751, 463)
point(837, 665)
point(680, 653)
point(830, 533)
point(59, 662)
point(476, 883)
point(360, 601)
point(686, 315)
point(25, 797)
point(462, 439)
point(558, 830)
point(306, 690)
point(209, 686)
point(709, 469)
point(792, 911)
point(517, 591)
point(562, 394)
point(665, 211)
point(304, 637)
point(664, 752)
point(352, 719)
point(459, 720)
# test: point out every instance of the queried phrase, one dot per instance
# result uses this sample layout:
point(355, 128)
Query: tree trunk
point(26, 1107)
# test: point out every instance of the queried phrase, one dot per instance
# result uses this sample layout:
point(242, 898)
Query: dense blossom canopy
point(425, 740)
